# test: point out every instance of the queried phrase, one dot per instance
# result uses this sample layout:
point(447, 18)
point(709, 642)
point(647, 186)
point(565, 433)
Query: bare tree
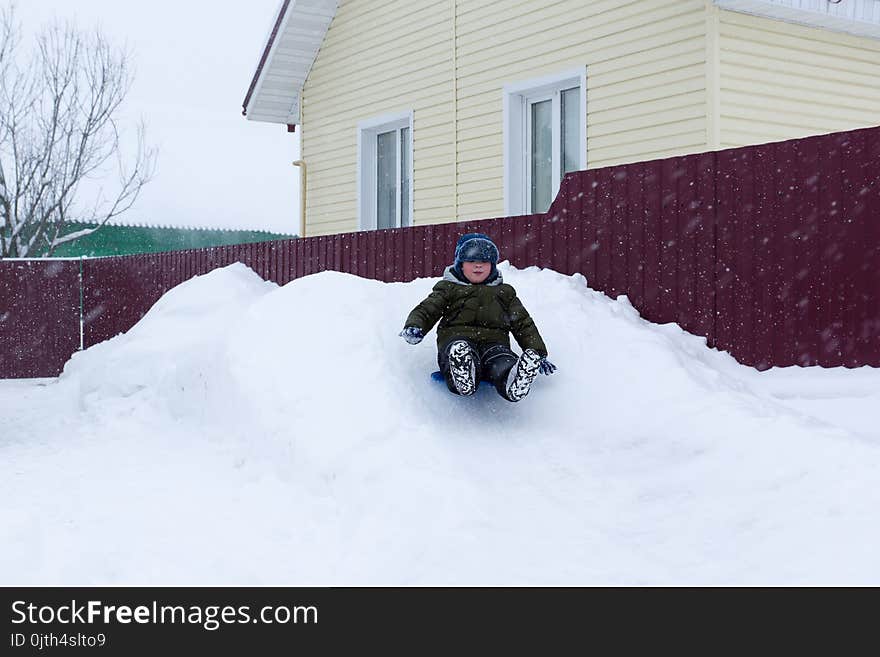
point(59, 128)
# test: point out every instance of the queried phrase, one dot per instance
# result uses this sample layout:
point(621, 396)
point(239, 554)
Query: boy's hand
point(546, 367)
point(412, 334)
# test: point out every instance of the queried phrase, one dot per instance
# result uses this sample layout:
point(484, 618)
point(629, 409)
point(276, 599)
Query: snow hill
point(245, 433)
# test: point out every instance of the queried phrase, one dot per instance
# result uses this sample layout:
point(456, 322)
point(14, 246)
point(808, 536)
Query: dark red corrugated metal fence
point(772, 252)
point(39, 316)
point(798, 251)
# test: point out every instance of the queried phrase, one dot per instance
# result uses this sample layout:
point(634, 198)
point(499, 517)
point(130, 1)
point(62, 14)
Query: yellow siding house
point(429, 111)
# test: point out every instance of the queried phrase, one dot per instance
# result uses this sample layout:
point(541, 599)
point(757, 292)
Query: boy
point(477, 311)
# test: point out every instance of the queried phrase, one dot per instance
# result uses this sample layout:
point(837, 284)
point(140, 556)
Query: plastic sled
point(438, 376)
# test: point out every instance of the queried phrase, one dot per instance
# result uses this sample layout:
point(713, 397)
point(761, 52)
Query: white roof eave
point(290, 52)
point(858, 17)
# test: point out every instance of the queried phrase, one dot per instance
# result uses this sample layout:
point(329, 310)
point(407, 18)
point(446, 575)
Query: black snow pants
point(493, 362)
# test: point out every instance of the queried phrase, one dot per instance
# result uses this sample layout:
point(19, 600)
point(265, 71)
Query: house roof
point(300, 26)
point(118, 239)
point(860, 17)
point(291, 47)
point(120, 222)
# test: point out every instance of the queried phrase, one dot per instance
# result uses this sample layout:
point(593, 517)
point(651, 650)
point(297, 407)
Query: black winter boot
point(519, 381)
point(462, 368)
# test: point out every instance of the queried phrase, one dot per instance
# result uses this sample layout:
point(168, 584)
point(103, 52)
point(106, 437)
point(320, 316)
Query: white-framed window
point(385, 171)
point(545, 123)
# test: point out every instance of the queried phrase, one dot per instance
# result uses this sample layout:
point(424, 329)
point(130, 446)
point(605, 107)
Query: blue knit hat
point(475, 247)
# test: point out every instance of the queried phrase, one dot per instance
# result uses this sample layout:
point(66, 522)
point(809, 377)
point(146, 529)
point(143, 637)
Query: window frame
point(518, 98)
point(528, 127)
point(367, 166)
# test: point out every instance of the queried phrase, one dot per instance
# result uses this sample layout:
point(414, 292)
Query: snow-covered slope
point(246, 433)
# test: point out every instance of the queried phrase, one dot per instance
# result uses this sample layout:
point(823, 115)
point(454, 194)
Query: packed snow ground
point(243, 433)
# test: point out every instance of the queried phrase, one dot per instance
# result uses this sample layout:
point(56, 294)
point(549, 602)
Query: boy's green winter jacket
point(488, 312)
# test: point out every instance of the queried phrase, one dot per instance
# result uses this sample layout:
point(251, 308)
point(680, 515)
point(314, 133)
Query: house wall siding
point(379, 58)
point(646, 95)
point(664, 77)
point(645, 63)
point(780, 80)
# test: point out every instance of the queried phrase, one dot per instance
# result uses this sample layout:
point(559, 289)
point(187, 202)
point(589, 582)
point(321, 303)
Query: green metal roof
point(113, 240)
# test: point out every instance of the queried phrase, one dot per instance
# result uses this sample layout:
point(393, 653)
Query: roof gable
point(290, 50)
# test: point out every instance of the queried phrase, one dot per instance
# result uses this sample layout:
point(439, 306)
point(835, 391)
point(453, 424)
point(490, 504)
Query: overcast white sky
point(194, 61)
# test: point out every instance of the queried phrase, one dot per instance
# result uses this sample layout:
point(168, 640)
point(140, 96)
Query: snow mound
point(289, 434)
point(170, 357)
